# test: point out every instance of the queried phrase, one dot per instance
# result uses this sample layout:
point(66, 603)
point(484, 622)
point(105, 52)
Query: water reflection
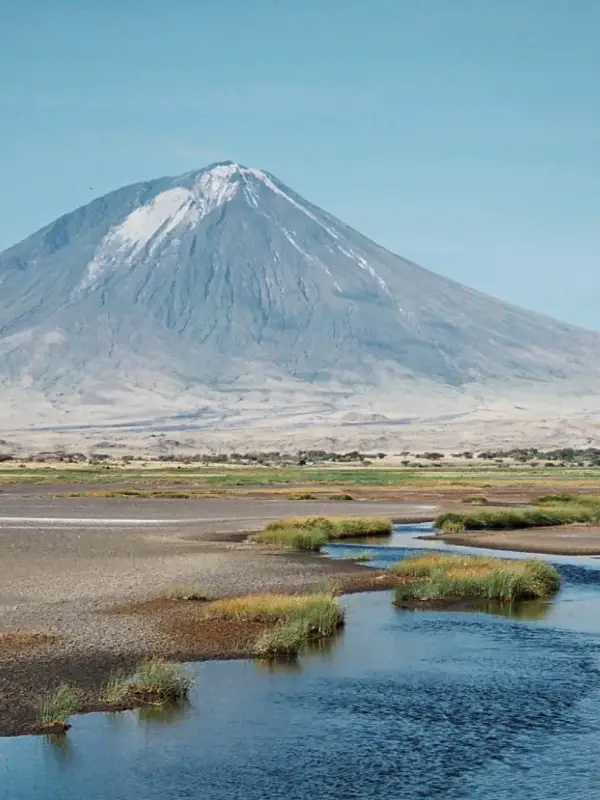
point(165, 714)
point(523, 610)
point(274, 665)
point(58, 746)
point(322, 648)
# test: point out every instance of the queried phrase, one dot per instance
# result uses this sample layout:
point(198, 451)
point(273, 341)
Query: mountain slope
point(224, 280)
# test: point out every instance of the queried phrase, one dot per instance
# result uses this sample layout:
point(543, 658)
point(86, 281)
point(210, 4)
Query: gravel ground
point(66, 562)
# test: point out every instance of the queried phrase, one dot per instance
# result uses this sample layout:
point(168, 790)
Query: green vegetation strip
point(542, 515)
point(311, 533)
point(445, 577)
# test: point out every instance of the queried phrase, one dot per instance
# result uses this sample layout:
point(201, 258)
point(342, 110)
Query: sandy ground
point(66, 563)
point(563, 540)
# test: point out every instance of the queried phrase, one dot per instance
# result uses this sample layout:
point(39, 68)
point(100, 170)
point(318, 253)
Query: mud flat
point(576, 540)
point(68, 565)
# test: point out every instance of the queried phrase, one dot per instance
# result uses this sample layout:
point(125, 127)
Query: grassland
point(304, 480)
point(437, 576)
point(312, 533)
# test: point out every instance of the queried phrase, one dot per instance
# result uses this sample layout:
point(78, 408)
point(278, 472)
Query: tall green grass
point(443, 576)
point(311, 533)
point(58, 706)
point(296, 619)
point(514, 518)
point(320, 612)
point(157, 681)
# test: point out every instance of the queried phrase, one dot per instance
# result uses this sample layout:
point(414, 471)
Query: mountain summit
point(195, 292)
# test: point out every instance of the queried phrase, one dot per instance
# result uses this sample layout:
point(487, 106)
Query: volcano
point(192, 297)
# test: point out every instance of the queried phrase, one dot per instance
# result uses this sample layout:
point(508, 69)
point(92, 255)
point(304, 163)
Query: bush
point(442, 576)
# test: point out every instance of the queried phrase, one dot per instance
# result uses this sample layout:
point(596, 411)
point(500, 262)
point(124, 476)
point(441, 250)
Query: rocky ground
point(76, 575)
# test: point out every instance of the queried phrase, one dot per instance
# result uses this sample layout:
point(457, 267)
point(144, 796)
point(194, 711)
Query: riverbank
point(563, 540)
point(88, 584)
point(85, 585)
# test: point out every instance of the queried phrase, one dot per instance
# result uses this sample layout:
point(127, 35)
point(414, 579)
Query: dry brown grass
point(15, 641)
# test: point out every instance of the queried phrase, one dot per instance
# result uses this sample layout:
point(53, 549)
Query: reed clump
point(515, 518)
point(296, 619)
point(156, 681)
point(441, 576)
point(311, 533)
point(59, 705)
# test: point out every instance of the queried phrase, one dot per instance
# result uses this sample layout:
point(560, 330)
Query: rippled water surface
point(405, 704)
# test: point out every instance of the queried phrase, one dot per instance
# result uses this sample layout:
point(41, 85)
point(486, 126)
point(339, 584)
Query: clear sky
point(462, 134)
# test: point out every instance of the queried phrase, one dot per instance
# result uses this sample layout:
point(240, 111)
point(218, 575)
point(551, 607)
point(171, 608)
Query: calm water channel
point(404, 705)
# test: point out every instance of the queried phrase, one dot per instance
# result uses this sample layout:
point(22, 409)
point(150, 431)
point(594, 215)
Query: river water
point(403, 705)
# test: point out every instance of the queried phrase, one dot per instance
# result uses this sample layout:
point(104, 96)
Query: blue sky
point(463, 134)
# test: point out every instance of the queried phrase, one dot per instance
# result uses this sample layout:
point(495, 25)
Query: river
point(402, 705)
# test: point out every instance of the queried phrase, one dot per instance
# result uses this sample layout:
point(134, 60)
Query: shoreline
point(25, 680)
point(552, 541)
point(61, 583)
point(65, 588)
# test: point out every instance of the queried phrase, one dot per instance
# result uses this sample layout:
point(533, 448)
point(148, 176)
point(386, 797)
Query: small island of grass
point(292, 620)
point(312, 533)
point(447, 577)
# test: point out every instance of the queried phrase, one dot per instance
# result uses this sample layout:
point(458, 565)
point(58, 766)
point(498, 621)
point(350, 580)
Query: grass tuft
point(441, 576)
point(298, 536)
point(311, 533)
point(297, 619)
point(515, 518)
point(58, 706)
point(164, 680)
point(156, 681)
point(321, 612)
point(283, 641)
